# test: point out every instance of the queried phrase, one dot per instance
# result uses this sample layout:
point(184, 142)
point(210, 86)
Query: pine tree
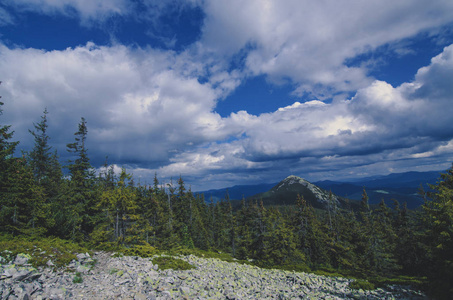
point(80, 168)
point(200, 223)
point(383, 240)
point(80, 195)
point(121, 203)
point(8, 209)
point(46, 168)
point(280, 242)
point(7, 149)
point(311, 238)
point(31, 209)
point(364, 205)
point(438, 214)
point(410, 251)
point(244, 231)
point(40, 155)
point(342, 255)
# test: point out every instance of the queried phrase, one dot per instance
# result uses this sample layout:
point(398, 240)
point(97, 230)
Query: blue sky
point(234, 92)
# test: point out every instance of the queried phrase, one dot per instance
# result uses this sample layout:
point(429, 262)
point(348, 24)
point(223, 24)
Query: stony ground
point(103, 276)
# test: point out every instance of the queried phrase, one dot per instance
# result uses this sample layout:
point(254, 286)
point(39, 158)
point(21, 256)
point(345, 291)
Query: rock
point(49, 263)
point(82, 269)
point(124, 282)
point(22, 275)
point(82, 256)
point(184, 290)
point(140, 296)
point(166, 294)
point(137, 278)
point(22, 259)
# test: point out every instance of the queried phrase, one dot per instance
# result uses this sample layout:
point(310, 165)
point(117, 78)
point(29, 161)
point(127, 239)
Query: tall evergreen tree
point(24, 210)
point(122, 205)
point(40, 155)
point(80, 167)
point(311, 238)
point(364, 205)
point(439, 220)
point(7, 167)
point(383, 240)
point(80, 194)
point(7, 149)
point(45, 165)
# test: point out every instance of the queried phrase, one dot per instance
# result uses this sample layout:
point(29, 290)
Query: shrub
point(141, 251)
point(77, 278)
point(168, 262)
point(41, 250)
point(361, 284)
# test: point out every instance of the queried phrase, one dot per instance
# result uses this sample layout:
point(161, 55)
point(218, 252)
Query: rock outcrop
point(103, 276)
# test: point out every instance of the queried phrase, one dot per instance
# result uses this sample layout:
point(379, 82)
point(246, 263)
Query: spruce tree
point(7, 167)
point(383, 241)
point(40, 155)
point(364, 205)
point(46, 168)
point(439, 220)
point(80, 167)
point(24, 208)
point(79, 196)
point(7, 149)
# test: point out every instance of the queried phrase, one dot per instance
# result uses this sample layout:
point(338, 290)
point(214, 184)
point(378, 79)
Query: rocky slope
point(286, 191)
point(106, 277)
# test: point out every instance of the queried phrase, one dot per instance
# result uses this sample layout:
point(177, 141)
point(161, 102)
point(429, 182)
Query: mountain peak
point(293, 185)
point(291, 180)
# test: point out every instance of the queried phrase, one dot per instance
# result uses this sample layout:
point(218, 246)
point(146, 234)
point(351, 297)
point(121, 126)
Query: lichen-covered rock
point(22, 259)
point(138, 278)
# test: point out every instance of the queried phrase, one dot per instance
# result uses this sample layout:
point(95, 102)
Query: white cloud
point(146, 110)
point(309, 42)
point(441, 149)
point(149, 109)
point(379, 127)
point(138, 107)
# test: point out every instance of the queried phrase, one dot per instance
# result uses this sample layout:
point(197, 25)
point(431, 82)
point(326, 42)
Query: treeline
point(109, 210)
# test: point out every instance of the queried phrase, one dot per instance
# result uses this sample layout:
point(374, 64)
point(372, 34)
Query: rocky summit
point(287, 191)
point(104, 276)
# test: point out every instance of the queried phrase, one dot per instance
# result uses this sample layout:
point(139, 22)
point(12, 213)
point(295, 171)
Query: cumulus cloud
point(381, 123)
point(154, 110)
point(309, 42)
point(146, 109)
point(138, 106)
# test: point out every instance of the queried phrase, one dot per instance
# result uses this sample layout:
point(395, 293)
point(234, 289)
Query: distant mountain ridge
point(400, 186)
point(236, 192)
point(403, 187)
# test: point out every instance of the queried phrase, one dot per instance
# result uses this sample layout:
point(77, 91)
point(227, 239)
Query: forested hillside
point(108, 210)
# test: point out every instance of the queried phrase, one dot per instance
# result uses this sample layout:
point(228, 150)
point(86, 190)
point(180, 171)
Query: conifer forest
point(40, 197)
